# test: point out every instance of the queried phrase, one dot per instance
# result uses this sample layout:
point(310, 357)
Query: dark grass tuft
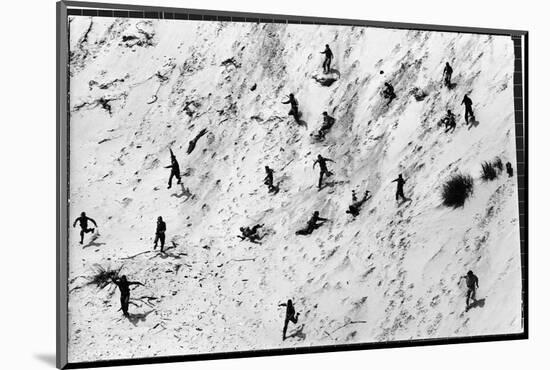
point(488, 172)
point(491, 170)
point(103, 276)
point(457, 189)
point(497, 163)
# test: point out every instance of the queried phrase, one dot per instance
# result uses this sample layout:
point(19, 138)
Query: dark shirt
point(174, 166)
point(322, 163)
point(467, 101)
point(472, 281)
point(400, 182)
point(328, 121)
point(124, 286)
point(328, 53)
point(292, 101)
point(83, 222)
point(161, 227)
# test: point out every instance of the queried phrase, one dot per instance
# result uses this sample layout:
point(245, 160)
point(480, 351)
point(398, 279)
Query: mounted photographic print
point(235, 185)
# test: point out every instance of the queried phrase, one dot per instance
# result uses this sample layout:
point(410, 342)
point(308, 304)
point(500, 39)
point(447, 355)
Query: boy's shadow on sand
point(184, 193)
point(331, 184)
point(165, 254)
point(299, 333)
point(335, 72)
point(93, 243)
point(479, 303)
point(135, 318)
point(473, 123)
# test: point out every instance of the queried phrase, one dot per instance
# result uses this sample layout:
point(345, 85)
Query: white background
point(27, 273)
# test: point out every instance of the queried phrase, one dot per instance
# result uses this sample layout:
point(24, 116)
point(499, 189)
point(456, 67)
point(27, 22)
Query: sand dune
point(139, 88)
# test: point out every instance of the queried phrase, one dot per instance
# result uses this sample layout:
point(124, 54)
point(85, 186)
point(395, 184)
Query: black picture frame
point(67, 8)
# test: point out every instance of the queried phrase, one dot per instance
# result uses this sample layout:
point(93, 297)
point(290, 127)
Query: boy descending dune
point(290, 315)
point(268, 180)
point(124, 287)
point(388, 92)
point(447, 73)
point(175, 169)
point(472, 283)
point(399, 192)
point(323, 166)
point(468, 111)
point(356, 204)
point(328, 122)
point(83, 220)
point(328, 59)
point(160, 234)
point(313, 223)
point(293, 107)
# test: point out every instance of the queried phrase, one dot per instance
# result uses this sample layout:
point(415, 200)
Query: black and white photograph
point(241, 186)
point(247, 185)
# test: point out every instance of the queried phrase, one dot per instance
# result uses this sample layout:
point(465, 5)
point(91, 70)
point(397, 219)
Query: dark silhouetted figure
point(124, 287)
point(472, 283)
point(175, 169)
point(469, 112)
point(160, 233)
point(356, 205)
point(105, 104)
point(83, 221)
point(314, 222)
point(323, 166)
point(509, 169)
point(193, 143)
point(328, 122)
point(250, 233)
point(449, 121)
point(290, 315)
point(400, 182)
point(447, 73)
point(293, 107)
point(388, 92)
point(328, 59)
point(268, 180)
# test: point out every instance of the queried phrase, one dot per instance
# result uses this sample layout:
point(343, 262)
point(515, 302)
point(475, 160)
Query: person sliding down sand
point(314, 222)
point(388, 92)
point(355, 207)
point(291, 315)
point(268, 180)
point(328, 122)
point(250, 233)
point(124, 287)
point(83, 220)
point(175, 169)
point(323, 166)
point(472, 283)
point(449, 121)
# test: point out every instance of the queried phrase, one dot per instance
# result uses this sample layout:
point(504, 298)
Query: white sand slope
point(389, 274)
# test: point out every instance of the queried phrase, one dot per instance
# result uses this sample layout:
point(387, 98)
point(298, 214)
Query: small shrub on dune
point(103, 276)
point(491, 170)
point(488, 172)
point(457, 189)
point(497, 163)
